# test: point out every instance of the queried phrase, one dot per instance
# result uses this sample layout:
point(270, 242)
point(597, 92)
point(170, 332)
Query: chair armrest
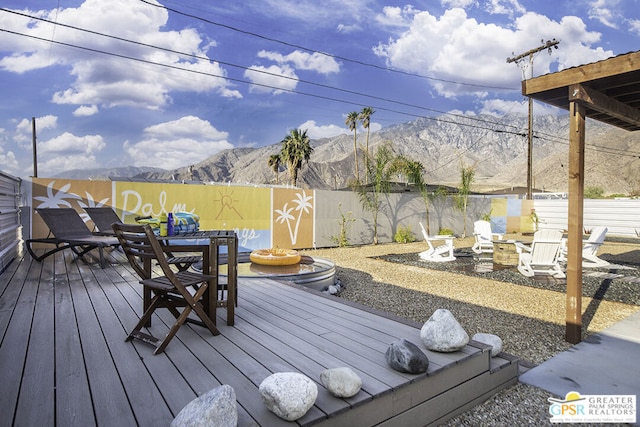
point(520, 247)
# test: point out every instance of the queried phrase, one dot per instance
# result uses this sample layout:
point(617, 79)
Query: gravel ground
point(528, 314)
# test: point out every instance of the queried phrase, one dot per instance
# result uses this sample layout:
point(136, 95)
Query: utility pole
point(530, 54)
point(33, 142)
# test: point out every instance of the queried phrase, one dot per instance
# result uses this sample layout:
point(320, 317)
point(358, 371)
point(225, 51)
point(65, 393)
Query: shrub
point(445, 232)
point(404, 235)
point(345, 223)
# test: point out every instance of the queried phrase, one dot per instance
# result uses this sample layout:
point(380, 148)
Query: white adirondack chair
point(441, 253)
point(484, 237)
point(543, 254)
point(590, 248)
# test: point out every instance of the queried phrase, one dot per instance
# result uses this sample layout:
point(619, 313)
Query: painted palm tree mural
point(293, 216)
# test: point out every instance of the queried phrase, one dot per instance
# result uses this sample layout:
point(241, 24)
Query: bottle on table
point(163, 224)
point(170, 225)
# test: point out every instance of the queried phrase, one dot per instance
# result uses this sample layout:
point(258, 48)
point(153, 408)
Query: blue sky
point(170, 83)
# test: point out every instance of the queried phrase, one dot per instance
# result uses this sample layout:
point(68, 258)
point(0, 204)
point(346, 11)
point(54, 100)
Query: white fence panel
point(620, 216)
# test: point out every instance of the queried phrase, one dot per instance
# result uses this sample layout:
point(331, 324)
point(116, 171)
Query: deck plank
point(38, 376)
point(13, 349)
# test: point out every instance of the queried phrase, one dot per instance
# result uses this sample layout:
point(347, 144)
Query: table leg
point(210, 266)
point(146, 291)
point(232, 279)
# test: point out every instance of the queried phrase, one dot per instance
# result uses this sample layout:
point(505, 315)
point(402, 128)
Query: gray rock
point(217, 407)
point(289, 395)
point(443, 333)
point(341, 382)
point(405, 356)
point(493, 340)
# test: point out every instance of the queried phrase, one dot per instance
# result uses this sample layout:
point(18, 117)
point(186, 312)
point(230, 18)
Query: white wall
point(620, 216)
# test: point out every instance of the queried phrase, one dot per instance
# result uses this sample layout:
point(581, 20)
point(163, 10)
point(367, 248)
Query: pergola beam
point(600, 102)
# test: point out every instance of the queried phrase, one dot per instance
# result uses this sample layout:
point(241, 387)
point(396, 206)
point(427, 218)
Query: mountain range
point(496, 149)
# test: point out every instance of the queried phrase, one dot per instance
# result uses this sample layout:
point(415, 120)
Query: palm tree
point(414, 171)
point(381, 168)
point(274, 164)
point(365, 119)
point(352, 122)
point(467, 175)
point(296, 148)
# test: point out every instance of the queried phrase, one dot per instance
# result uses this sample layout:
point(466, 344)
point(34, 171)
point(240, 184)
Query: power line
point(207, 59)
point(342, 58)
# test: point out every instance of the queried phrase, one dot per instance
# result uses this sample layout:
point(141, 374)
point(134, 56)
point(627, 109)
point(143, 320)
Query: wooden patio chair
point(543, 254)
point(67, 230)
point(484, 237)
point(173, 291)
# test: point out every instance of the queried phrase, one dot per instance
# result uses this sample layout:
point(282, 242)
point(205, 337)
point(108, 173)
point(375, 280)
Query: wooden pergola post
point(607, 91)
point(575, 223)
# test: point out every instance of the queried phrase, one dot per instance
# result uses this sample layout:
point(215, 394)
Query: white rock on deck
point(341, 382)
point(217, 407)
point(490, 339)
point(289, 395)
point(443, 333)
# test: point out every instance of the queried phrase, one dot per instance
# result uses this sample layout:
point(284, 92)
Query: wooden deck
point(64, 361)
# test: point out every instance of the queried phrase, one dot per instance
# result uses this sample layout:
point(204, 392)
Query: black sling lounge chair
point(67, 230)
point(104, 217)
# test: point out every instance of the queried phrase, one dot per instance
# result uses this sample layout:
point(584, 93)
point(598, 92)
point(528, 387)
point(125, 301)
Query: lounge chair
point(484, 237)
point(441, 253)
point(67, 230)
point(543, 254)
point(590, 248)
point(102, 218)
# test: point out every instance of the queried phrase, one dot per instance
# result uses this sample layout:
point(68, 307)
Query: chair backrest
point(482, 230)
point(596, 239)
point(103, 217)
point(545, 247)
point(424, 232)
point(64, 223)
point(142, 248)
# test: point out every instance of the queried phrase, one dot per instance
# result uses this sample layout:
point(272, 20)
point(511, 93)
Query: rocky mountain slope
point(496, 148)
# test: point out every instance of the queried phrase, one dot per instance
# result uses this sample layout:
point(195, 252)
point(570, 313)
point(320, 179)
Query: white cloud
point(68, 144)
point(504, 7)
point(394, 16)
point(604, 12)
point(459, 3)
point(315, 131)
point(634, 26)
point(24, 129)
point(68, 151)
point(86, 110)
point(313, 12)
point(174, 144)
point(456, 48)
point(9, 163)
point(274, 78)
point(107, 80)
point(502, 107)
point(318, 62)
point(348, 29)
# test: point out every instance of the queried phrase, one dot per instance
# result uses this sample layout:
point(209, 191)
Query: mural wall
point(275, 217)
